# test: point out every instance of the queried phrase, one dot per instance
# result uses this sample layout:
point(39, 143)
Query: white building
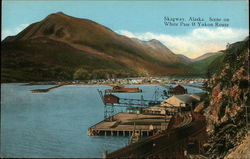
point(175, 104)
point(180, 100)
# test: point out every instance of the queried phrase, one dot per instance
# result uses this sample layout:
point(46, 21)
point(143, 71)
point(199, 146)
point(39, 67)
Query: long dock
point(123, 124)
point(171, 143)
point(45, 90)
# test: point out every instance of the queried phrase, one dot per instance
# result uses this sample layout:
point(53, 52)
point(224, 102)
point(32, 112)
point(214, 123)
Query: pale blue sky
point(136, 17)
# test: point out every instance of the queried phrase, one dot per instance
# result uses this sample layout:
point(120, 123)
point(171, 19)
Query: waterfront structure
point(125, 124)
point(177, 90)
point(45, 90)
point(111, 99)
point(175, 104)
point(157, 109)
point(188, 129)
point(178, 103)
point(121, 89)
point(180, 100)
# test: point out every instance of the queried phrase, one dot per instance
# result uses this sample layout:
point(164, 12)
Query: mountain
point(204, 56)
point(205, 63)
point(61, 47)
point(157, 50)
point(184, 58)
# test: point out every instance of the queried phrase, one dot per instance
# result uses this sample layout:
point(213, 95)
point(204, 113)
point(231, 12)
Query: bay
point(55, 124)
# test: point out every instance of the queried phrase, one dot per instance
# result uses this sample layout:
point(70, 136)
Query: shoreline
point(125, 81)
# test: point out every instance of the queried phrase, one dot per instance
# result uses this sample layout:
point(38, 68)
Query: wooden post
point(246, 118)
point(199, 146)
point(104, 155)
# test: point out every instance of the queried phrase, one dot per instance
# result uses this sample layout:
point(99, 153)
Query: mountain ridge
point(204, 65)
point(204, 56)
point(184, 58)
point(43, 41)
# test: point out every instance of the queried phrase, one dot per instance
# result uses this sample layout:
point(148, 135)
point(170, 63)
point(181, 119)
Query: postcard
point(125, 79)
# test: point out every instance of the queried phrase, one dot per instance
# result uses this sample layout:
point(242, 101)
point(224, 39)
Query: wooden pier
point(122, 89)
point(124, 124)
point(45, 90)
point(172, 143)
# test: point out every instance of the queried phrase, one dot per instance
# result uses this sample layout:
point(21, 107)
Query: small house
point(178, 90)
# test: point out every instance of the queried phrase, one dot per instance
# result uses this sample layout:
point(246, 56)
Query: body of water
point(55, 124)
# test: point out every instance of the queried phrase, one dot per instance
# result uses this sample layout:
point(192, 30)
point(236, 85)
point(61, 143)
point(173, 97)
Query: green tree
point(81, 74)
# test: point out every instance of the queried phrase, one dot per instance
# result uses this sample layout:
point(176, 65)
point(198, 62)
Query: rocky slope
point(242, 151)
point(228, 97)
point(62, 47)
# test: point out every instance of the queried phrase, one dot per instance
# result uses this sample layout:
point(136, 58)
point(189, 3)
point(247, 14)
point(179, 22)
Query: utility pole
point(165, 114)
point(245, 103)
point(247, 118)
point(192, 107)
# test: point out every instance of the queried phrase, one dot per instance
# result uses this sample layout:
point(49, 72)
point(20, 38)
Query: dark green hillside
point(201, 67)
point(51, 60)
point(216, 64)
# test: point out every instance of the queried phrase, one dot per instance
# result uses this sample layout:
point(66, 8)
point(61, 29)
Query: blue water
point(55, 124)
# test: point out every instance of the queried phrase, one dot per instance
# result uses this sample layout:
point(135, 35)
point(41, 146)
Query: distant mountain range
point(189, 60)
point(184, 58)
point(202, 64)
point(61, 47)
point(204, 56)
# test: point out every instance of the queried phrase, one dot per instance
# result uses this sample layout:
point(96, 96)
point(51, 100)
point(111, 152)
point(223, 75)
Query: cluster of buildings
point(143, 120)
point(178, 101)
point(143, 80)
